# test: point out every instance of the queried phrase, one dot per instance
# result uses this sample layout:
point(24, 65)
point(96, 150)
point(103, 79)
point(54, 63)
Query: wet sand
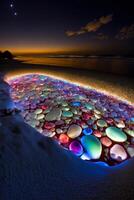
point(112, 84)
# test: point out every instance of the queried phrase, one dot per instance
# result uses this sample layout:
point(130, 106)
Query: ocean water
point(114, 65)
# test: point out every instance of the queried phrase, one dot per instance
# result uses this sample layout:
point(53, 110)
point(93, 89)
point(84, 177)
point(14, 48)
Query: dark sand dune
point(35, 167)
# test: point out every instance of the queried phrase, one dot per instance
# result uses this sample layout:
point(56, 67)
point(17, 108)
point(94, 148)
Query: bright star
point(15, 13)
point(11, 5)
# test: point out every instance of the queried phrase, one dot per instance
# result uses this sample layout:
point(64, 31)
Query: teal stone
point(89, 106)
point(116, 134)
point(92, 145)
point(101, 123)
point(67, 114)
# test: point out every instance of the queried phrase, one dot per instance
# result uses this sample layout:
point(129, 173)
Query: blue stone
point(87, 131)
point(76, 103)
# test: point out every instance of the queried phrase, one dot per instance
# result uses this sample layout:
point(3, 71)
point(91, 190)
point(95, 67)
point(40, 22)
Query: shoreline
point(114, 85)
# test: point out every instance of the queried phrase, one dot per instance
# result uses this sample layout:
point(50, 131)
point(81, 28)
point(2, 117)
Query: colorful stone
point(116, 134)
point(76, 147)
point(118, 153)
point(74, 131)
point(87, 131)
point(92, 145)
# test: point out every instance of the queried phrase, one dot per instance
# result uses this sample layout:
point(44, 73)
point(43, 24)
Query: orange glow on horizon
point(39, 50)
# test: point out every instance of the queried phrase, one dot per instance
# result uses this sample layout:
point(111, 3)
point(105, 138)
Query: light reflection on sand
point(99, 85)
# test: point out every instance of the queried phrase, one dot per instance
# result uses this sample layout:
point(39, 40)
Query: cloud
point(125, 33)
point(92, 26)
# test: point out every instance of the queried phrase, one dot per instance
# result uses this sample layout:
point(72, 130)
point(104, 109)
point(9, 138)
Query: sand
point(36, 167)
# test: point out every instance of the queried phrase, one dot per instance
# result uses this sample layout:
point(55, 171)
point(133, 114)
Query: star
point(15, 14)
point(11, 5)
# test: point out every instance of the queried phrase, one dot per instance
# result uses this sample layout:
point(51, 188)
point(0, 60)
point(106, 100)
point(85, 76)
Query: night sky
point(81, 26)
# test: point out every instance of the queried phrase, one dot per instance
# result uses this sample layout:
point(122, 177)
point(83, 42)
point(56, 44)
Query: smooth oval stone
point(87, 131)
point(120, 125)
point(89, 106)
point(64, 104)
point(101, 123)
point(116, 134)
point(40, 116)
point(65, 108)
point(92, 145)
point(49, 125)
point(97, 111)
point(97, 116)
point(63, 138)
point(76, 148)
point(117, 152)
point(54, 114)
point(76, 104)
point(129, 132)
point(48, 133)
point(130, 151)
point(67, 114)
point(98, 133)
point(106, 141)
point(59, 131)
point(90, 121)
point(74, 131)
point(38, 111)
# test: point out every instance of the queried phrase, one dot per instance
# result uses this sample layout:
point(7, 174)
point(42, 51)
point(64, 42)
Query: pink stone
point(106, 141)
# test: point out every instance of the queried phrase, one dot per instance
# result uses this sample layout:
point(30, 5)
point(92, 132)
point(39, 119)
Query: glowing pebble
point(74, 131)
point(40, 116)
point(89, 106)
point(63, 138)
point(67, 114)
point(117, 152)
point(130, 151)
point(38, 111)
point(76, 103)
point(116, 134)
point(48, 133)
point(106, 141)
point(129, 132)
point(87, 131)
point(92, 146)
point(98, 133)
point(76, 148)
point(101, 123)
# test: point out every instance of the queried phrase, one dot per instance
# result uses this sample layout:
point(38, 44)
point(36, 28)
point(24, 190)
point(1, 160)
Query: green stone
point(116, 134)
point(129, 132)
point(89, 106)
point(92, 145)
point(67, 114)
point(101, 123)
